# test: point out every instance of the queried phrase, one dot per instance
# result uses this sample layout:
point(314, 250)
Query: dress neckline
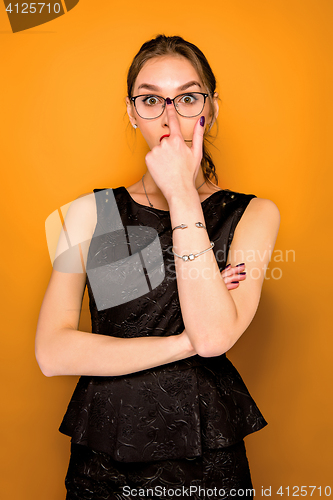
point(159, 209)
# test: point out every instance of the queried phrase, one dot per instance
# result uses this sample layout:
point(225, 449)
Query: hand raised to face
point(172, 164)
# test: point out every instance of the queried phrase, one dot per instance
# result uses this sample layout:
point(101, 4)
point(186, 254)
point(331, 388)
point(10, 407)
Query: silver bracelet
point(192, 256)
point(200, 224)
point(183, 226)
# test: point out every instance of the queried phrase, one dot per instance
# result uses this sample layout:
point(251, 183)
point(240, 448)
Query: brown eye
point(188, 99)
point(151, 100)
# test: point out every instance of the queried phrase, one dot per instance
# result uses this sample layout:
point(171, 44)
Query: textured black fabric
point(176, 410)
point(218, 474)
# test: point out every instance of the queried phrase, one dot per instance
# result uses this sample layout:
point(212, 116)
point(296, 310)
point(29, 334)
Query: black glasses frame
point(133, 99)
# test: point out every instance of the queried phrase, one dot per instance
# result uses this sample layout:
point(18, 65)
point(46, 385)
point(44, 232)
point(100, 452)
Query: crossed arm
point(215, 317)
point(215, 311)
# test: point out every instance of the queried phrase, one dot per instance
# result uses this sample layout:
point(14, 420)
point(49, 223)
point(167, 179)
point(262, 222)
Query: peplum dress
point(180, 410)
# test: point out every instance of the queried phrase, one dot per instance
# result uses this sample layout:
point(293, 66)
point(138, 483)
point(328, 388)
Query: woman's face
point(167, 76)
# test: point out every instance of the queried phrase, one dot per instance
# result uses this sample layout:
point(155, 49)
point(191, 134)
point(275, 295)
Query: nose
point(165, 122)
point(164, 115)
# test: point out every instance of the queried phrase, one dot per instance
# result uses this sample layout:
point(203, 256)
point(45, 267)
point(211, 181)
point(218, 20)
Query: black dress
point(178, 425)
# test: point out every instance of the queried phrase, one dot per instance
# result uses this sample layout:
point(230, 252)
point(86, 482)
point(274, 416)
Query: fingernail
point(242, 264)
point(168, 100)
point(236, 282)
point(242, 273)
point(227, 266)
point(202, 121)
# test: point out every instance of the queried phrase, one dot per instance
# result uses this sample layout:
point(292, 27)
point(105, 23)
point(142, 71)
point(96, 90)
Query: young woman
point(159, 410)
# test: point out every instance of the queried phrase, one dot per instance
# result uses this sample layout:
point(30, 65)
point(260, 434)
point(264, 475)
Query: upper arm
point(253, 243)
point(75, 235)
point(61, 306)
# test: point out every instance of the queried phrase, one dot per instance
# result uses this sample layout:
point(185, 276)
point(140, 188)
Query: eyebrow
point(148, 86)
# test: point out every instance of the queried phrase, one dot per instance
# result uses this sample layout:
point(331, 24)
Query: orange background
point(64, 132)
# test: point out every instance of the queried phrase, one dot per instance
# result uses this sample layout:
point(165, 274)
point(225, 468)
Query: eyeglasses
point(152, 106)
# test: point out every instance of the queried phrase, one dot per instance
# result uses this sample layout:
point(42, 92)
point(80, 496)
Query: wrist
point(184, 344)
point(183, 196)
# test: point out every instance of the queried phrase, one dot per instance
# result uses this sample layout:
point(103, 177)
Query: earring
point(135, 125)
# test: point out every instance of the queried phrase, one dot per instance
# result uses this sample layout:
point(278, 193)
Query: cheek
point(149, 134)
point(188, 128)
point(144, 127)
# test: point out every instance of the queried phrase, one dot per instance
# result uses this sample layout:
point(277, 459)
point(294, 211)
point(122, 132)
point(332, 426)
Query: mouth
point(166, 135)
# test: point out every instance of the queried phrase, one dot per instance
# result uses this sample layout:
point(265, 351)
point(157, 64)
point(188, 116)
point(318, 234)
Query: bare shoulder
point(80, 218)
point(263, 209)
point(261, 215)
point(264, 205)
point(83, 207)
point(86, 201)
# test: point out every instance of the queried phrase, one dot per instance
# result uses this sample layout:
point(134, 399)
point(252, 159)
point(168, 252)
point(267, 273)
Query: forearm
point(72, 352)
point(208, 310)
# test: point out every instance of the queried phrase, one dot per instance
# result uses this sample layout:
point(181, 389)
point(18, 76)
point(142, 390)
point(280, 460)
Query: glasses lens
point(189, 105)
point(149, 106)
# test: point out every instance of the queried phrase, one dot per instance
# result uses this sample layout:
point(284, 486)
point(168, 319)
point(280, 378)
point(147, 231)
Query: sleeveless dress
point(173, 419)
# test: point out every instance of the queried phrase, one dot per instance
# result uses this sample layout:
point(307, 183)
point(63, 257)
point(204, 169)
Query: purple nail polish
point(227, 266)
point(242, 264)
point(242, 273)
point(202, 121)
point(168, 100)
point(236, 282)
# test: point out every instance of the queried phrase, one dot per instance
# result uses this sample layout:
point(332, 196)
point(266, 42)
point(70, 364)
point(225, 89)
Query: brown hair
point(163, 45)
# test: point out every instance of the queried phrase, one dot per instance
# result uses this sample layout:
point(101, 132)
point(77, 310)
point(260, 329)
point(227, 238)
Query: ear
point(130, 112)
point(216, 104)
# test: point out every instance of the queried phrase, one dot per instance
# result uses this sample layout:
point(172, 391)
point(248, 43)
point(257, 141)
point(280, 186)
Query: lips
point(166, 135)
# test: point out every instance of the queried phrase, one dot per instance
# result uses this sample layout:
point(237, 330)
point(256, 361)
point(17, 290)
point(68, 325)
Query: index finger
point(173, 121)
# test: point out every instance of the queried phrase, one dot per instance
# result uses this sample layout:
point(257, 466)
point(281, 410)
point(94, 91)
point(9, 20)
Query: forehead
point(167, 73)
